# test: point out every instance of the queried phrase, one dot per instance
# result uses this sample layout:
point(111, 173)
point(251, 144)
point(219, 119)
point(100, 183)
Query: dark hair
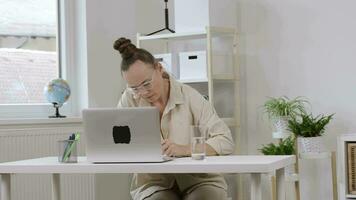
point(130, 53)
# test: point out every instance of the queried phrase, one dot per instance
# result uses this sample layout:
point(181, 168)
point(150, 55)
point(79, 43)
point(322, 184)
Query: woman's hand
point(174, 150)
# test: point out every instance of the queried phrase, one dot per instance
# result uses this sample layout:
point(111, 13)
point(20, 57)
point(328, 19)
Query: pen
point(71, 138)
point(69, 147)
point(66, 146)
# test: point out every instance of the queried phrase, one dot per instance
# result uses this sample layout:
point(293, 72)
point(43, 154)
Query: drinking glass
point(197, 142)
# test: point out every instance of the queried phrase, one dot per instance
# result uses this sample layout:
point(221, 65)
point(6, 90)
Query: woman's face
point(144, 80)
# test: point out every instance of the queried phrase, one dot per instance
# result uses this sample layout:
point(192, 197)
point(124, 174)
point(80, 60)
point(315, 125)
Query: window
point(29, 55)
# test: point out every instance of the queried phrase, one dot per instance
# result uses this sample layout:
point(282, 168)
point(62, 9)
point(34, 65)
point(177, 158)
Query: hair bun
point(125, 47)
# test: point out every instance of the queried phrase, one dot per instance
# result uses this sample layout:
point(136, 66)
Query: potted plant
point(308, 130)
point(285, 147)
point(280, 110)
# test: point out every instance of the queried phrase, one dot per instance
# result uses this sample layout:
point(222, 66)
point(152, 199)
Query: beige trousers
point(204, 192)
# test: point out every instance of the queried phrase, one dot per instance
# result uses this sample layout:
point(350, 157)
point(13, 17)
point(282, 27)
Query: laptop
point(123, 135)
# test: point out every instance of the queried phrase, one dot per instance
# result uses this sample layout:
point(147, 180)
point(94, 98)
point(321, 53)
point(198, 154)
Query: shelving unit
point(212, 78)
point(342, 166)
point(221, 84)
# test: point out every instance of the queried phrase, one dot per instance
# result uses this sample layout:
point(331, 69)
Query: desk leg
point(256, 187)
point(5, 189)
point(281, 194)
point(56, 190)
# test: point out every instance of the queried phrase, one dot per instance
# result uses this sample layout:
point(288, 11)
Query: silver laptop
point(122, 135)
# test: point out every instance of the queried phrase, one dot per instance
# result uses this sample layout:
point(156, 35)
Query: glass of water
point(197, 142)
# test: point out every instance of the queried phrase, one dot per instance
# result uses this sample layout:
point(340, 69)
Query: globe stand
point(57, 115)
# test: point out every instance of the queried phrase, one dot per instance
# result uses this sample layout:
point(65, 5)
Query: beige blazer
point(185, 107)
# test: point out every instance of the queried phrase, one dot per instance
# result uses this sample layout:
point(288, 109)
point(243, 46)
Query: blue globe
point(57, 92)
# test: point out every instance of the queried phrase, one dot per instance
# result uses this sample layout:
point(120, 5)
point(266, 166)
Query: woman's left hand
point(174, 150)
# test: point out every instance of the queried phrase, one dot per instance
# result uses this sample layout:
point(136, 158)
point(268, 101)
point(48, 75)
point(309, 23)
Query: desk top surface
point(212, 164)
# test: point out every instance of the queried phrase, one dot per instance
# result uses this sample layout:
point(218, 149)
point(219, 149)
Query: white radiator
point(33, 142)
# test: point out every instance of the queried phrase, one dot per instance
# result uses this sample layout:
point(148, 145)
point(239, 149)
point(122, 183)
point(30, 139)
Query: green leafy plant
point(309, 126)
point(285, 147)
point(283, 106)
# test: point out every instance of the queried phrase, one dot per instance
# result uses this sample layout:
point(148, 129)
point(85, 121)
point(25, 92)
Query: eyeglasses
point(147, 85)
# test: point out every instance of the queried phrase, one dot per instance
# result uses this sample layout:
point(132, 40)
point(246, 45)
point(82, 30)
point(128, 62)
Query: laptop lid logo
point(121, 134)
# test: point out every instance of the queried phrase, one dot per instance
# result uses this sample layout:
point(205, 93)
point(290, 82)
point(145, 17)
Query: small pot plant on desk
point(309, 131)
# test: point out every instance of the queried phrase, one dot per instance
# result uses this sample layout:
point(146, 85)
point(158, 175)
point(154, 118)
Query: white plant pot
point(311, 145)
point(280, 126)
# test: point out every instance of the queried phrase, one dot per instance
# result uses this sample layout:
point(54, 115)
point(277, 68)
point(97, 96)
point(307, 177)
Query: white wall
point(298, 48)
point(106, 21)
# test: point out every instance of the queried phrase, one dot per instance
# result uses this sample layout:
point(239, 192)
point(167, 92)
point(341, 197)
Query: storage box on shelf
point(166, 60)
point(192, 66)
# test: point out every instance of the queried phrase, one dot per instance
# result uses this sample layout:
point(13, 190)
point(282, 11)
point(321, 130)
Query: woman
point(179, 106)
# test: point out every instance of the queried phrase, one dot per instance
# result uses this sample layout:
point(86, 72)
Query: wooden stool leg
point(297, 192)
point(273, 188)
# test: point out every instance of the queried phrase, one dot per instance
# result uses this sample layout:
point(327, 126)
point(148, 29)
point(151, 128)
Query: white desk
point(254, 165)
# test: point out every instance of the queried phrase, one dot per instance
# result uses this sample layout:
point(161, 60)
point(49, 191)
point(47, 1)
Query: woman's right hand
point(174, 150)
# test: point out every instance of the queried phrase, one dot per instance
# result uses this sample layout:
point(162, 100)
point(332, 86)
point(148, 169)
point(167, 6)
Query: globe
point(57, 92)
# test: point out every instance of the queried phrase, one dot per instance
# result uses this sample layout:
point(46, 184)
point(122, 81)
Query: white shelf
point(217, 77)
point(321, 155)
point(187, 35)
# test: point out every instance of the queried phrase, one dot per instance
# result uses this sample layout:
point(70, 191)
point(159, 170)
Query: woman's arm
point(219, 140)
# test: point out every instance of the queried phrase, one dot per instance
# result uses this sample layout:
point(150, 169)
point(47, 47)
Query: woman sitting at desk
point(179, 106)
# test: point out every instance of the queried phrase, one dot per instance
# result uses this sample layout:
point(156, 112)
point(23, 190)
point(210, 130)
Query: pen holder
point(67, 151)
